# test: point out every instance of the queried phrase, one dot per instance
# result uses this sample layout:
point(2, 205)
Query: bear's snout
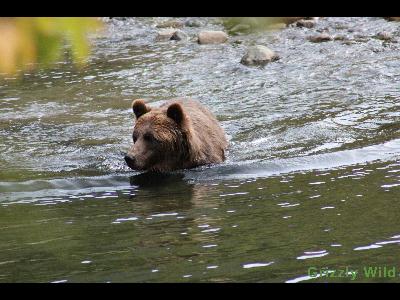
point(130, 161)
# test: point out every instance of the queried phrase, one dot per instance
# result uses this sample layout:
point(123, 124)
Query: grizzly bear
point(180, 134)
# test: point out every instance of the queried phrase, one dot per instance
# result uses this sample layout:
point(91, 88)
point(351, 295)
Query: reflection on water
point(311, 179)
point(165, 228)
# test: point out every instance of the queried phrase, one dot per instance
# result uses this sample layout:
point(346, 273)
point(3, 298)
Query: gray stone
point(212, 37)
point(179, 35)
point(166, 34)
point(171, 24)
point(259, 55)
point(361, 38)
point(193, 23)
point(384, 35)
point(305, 23)
point(319, 38)
point(340, 38)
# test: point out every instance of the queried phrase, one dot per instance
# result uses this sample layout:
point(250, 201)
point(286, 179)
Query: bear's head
point(160, 138)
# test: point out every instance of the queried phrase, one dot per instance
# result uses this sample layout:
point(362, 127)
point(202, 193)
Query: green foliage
point(26, 42)
point(240, 25)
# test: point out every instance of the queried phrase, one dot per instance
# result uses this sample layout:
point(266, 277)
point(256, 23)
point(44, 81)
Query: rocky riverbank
point(231, 32)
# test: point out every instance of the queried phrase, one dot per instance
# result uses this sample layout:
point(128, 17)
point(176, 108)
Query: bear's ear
point(140, 108)
point(175, 112)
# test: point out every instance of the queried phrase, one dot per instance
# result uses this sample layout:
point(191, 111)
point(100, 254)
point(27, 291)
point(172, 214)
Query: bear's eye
point(134, 138)
point(148, 137)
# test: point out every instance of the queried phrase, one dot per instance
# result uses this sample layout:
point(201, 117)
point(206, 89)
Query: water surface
point(311, 177)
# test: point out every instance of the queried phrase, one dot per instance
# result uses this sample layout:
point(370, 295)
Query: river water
point(311, 178)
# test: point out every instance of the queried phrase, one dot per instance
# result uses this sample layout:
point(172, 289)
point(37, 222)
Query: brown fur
point(180, 134)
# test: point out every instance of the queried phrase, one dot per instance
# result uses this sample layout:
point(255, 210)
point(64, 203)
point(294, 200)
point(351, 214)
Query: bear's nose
point(129, 160)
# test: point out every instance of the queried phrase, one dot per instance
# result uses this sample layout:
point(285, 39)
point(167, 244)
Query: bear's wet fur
point(180, 134)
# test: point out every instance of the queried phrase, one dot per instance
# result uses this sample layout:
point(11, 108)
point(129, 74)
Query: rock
point(340, 38)
point(171, 34)
point(212, 37)
point(305, 23)
point(171, 24)
point(392, 18)
point(179, 35)
point(259, 55)
point(193, 23)
point(319, 38)
point(165, 34)
point(361, 40)
point(384, 35)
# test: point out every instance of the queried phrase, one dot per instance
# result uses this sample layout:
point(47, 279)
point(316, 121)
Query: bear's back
point(209, 138)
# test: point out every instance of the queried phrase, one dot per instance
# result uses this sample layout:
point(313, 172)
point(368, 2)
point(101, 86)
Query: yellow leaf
point(26, 41)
